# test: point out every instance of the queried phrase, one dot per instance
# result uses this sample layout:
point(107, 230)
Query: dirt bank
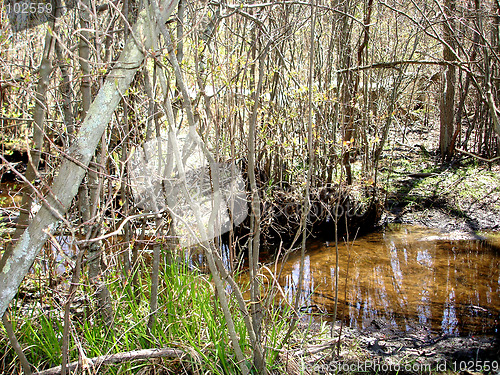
point(383, 350)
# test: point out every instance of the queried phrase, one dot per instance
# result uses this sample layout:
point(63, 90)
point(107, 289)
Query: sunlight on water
point(405, 277)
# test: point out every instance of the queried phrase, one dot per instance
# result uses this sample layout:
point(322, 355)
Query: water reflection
point(398, 275)
point(60, 255)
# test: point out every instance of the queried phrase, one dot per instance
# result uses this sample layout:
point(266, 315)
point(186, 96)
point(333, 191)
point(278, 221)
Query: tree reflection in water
point(406, 276)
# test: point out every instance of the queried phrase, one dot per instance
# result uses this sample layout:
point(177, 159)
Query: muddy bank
point(384, 350)
point(333, 210)
point(350, 209)
point(452, 227)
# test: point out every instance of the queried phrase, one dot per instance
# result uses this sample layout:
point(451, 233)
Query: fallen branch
point(477, 156)
point(412, 175)
point(422, 175)
point(117, 358)
point(120, 228)
point(395, 64)
point(316, 348)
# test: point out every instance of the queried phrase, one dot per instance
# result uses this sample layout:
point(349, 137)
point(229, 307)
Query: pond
point(407, 277)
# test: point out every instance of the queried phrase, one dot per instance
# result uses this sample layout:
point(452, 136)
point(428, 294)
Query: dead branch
point(134, 355)
point(395, 64)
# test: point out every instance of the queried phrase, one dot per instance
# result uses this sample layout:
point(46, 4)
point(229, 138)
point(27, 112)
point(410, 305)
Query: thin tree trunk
point(254, 243)
point(66, 91)
point(15, 344)
point(69, 122)
point(72, 290)
point(39, 112)
point(347, 90)
point(306, 204)
point(491, 102)
point(153, 299)
point(124, 191)
point(447, 105)
point(85, 88)
point(155, 276)
point(310, 147)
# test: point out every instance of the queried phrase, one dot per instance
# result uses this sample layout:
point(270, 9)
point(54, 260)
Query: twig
point(71, 295)
point(315, 349)
point(15, 344)
point(118, 231)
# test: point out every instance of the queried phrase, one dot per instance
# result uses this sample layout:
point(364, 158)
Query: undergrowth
point(188, 318)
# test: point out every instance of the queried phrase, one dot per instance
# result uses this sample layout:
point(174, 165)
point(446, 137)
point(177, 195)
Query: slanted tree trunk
point(73, 168)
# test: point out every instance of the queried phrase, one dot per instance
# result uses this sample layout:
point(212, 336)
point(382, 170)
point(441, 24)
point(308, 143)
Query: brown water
point(10, 198)
point(406, 278)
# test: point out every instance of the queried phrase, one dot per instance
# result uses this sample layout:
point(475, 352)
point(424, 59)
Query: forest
point(255, 187)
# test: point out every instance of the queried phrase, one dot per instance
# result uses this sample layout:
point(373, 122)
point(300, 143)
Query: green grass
point(188, 318)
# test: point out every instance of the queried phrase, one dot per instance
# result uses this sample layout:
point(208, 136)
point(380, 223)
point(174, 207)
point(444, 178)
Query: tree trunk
point(346, 90)
point(254, 243)
point(447, 104)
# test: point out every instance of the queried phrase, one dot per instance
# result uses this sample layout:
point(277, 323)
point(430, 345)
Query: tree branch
point(394, 64)
point(134, 355)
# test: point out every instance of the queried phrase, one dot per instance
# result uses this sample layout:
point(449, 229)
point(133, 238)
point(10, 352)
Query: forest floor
point(383, 350)
point(461, 199)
